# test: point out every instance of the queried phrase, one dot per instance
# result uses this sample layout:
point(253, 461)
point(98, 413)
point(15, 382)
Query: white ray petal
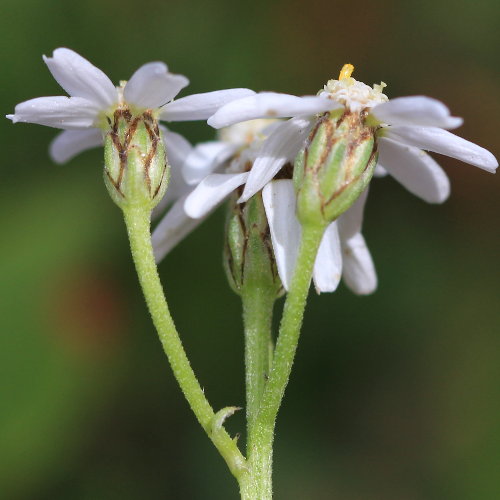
point(358, 270)
point(415, 170)
point(58, 111)
point(152, 86)
point(280, 203)
point(379, 171)
point(201, 106)
point(205, 158)
point(270, 105)
point(328, 265)
point(351, 221)
point(443, 142)
point(415, 111)
point(173, 228)
point(80, 78)
point(211, 191)
point(281, 147)
point(70, 143)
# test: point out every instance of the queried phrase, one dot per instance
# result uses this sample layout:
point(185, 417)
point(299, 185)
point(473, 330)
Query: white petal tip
point(192, 211)
point(455, 122)
point(60, 51)
point(160, 68)
point(491, 165)
point(328, 289)
point(443, 142)
point(248, 193)
point(485, 161)
point(441, 199)
point(214, 123)
point(366, 291)
point(11, 117)
point(63, 50)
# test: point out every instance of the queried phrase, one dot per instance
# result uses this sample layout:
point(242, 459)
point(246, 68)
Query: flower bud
point(136, 170)
point(248, 253)
point(334, 167)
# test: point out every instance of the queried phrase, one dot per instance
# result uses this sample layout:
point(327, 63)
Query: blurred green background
point(395, 396)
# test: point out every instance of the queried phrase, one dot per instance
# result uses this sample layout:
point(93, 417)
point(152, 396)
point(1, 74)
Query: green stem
point(137, 220)
point(258, 302)
point(286, 346)
point(257, 317)
point(291, 323)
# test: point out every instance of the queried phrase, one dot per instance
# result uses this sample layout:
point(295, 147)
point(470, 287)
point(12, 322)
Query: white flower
point(343, 252)
point(94, 98)
point(404, 127)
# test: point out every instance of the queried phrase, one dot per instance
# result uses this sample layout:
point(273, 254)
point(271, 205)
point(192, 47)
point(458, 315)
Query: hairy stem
point(258, 302)
point(286, 346)
point(137, 220)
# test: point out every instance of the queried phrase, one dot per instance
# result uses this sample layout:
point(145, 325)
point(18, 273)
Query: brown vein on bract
point(352, 145)
point(128, 139)
point(157, 190)
point(121, 148)
point(114, 183)
point(330, 141)
point(118, 146)
point(266, 238)
point(152, 152)
point(326, 121)
point(240, 208)
point(344, 186)
point(357, 123)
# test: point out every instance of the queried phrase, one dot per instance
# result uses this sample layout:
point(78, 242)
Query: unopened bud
point(248, 254)
point(136, 170)
point(335, 166)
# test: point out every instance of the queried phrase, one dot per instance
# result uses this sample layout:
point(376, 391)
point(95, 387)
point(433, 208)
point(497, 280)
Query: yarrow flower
point(399, 129)
point(87, 113)
point(403, 128)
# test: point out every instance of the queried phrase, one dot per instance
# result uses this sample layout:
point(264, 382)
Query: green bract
point(334, 167)
point(136, 171)
point(248, 255)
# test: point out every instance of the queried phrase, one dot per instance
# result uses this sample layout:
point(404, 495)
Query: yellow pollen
point(346, 71)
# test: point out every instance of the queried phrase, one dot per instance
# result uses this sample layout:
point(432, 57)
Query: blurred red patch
point(86, 310)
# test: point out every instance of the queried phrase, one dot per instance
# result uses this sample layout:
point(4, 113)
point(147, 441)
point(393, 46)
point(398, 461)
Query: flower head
point(403, 128)
point(354, 95)
point(124, 117)
point(400, 129)
point(86, 114)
